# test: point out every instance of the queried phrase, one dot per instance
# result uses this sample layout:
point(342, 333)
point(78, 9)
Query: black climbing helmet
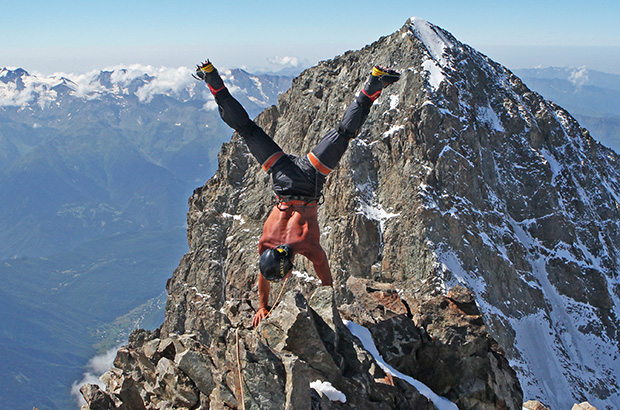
point(276, 263)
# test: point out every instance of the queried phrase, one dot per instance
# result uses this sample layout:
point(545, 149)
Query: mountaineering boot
point(209, 74)
point(357, 112)
point(379, 78)
point(386, 75)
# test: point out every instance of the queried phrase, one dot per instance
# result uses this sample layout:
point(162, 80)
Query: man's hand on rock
point(259, 316)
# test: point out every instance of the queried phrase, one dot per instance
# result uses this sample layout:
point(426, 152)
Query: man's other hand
point(259, 316)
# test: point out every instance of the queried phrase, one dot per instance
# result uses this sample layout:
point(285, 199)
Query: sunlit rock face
point(460, 176)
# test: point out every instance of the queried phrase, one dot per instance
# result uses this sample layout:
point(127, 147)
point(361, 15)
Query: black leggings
point(290, 175)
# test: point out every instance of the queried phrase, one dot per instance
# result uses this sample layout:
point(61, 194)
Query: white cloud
point(94, 369)
point(33, 87)
point(286, 61)
point(10, 96)
point(167, 81)
point(210, 105)
point(579, 76)
point(158, 80)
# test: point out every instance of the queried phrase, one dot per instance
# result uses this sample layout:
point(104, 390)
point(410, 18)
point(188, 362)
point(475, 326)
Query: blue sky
point(78, 36)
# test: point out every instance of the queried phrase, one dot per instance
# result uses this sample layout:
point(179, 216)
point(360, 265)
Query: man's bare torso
point(296, 227)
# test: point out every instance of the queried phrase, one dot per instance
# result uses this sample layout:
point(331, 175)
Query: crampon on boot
point(379, 78)
point(386, 75)
point(207, 72)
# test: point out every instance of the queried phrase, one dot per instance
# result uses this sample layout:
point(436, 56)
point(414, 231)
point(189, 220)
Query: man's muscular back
point(298, 228)
point(295, 226)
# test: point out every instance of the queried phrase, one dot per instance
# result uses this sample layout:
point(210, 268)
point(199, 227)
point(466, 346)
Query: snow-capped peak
point(436, 42)
point(433, 38)
point(18, 88)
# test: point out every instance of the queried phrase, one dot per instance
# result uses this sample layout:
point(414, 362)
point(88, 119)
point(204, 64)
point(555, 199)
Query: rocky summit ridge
point(471, 227)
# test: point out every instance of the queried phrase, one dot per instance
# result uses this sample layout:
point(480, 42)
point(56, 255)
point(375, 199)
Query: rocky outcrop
point(305, 343)
point(441, 342)
point(479, 374)
point(583, 406)
point(534, 405)
point(461, 176)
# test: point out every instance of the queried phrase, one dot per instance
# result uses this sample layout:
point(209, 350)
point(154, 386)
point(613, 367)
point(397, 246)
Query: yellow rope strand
point(279, 296)
point(239, 374)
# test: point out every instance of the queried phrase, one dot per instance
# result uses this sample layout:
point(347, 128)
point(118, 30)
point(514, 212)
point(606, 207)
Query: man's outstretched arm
point(263, 300)
point(321, 265)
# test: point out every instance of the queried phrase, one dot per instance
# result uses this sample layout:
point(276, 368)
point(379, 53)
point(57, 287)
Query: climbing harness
point(286, 202)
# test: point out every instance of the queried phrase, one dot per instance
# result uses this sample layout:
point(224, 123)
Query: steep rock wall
point(461, 175)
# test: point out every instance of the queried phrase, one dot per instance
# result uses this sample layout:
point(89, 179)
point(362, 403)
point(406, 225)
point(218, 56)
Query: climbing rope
point(279, 296)
point(239, 374)
point(238, 370)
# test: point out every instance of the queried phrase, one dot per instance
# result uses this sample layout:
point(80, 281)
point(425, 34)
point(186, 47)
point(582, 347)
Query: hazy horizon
point(604, 59)
point(62, 36)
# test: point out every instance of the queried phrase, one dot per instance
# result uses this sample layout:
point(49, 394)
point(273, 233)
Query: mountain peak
point(15, 77)
point(461, 176)
point(13, 73)
point(435, 40)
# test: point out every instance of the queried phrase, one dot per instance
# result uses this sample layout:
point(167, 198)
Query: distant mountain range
point(590, 96)
point(107, 152)
point(95, 171)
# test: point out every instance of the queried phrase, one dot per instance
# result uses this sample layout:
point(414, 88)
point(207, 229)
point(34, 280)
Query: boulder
point(95, 398)
point(534, 405)
point(460, 360)
point(583, 406)
point(441, 341)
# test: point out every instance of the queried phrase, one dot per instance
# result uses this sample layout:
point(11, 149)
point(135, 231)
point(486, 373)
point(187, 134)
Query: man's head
point(276, 263)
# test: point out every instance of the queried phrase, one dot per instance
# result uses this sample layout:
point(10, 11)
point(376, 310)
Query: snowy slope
point(558, 241)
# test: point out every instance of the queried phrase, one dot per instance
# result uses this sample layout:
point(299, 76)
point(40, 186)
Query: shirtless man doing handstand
point(292, 226)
